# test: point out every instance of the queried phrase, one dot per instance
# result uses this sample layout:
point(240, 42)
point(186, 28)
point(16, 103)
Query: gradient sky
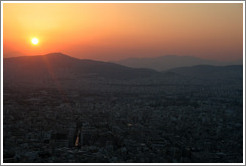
point(118, 31)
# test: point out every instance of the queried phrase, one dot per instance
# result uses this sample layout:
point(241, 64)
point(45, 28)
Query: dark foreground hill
point(62, 67)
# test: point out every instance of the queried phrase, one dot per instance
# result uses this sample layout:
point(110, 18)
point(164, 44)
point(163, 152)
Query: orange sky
point(120, 30)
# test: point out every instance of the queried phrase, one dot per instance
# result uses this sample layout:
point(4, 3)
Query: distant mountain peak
point(55, 54)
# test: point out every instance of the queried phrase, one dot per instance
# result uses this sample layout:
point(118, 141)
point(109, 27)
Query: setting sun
point(34, 41)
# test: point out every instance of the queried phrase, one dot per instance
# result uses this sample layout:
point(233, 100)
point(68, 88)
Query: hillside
point(58, 66)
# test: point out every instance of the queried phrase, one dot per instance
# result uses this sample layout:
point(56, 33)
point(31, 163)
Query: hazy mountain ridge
point(172, 61)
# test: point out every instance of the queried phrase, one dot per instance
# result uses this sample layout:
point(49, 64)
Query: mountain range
point(62, 69)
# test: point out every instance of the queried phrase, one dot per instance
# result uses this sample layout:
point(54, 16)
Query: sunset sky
point(122, 30)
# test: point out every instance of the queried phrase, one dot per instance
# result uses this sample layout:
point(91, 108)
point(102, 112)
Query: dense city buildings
point(131, 121)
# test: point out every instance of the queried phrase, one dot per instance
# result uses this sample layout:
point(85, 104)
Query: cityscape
point(123, 83)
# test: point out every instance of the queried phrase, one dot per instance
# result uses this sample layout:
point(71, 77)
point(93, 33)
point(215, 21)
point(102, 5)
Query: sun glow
point(34, 41)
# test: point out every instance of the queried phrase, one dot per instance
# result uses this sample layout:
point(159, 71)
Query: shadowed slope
point(62, 66)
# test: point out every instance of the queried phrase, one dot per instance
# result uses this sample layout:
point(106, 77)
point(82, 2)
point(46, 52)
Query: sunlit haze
point(117, 31)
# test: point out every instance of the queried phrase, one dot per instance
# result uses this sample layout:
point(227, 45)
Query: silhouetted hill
point(172, 61)
point(60, 66)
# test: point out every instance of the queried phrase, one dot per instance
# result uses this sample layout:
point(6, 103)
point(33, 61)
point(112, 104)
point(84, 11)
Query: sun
point(34, 41)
